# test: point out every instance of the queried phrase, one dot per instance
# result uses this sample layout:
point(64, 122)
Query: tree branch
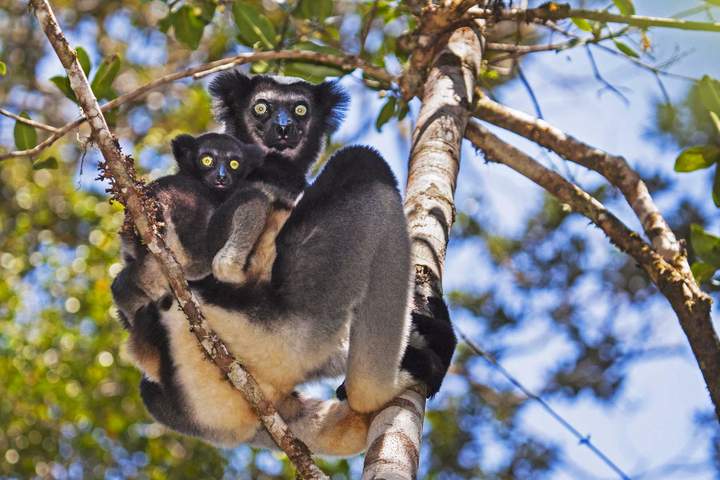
point(395, 433)
point(560, 11)
point(691, 305)
point(120, 171)
point(347, 63)
point(28, 121)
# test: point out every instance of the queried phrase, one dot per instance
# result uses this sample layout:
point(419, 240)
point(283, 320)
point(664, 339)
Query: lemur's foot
point(226, 267)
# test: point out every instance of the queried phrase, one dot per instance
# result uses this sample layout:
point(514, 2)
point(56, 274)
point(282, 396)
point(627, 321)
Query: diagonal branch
point(346, 63)
point(119, 170)
point(28, 121)
point(691, 305)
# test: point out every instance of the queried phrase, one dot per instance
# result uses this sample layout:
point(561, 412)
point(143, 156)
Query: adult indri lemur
point(338, 300)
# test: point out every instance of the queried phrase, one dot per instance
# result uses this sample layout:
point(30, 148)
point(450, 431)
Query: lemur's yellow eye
point(234, 164)
point(300, 110)
point(260, 108)
point(206, 160)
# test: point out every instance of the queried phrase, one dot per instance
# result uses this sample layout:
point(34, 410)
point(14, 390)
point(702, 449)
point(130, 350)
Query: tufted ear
point(184, 148)
point(229, 89)
point(333, 101)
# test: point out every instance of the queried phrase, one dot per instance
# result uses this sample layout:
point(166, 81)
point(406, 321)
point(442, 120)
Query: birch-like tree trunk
point(394, 438)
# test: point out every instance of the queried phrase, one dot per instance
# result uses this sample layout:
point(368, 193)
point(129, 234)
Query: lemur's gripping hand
point(236, 226)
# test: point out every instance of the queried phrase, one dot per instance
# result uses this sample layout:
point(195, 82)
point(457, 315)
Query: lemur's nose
point(283, 123)
point(222, 175)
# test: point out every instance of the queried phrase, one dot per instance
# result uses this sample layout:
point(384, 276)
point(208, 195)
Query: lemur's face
point(219, 161)
point(220, 164)
point(279, 121)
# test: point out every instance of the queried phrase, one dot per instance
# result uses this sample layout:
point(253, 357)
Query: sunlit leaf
point(105, 75)
point(253, 26)
point(84, 60)
point(696, 158)
point(582, 24)
point(3, 69)
point(189, 25)
point(315, 9)
point(25, 135)
point(63, 84)
point(706, 245)
point(709, 92)
point(386, 113)
point(702, 271)
point(623, 47)
point(715, 120)
point(49, 163)
point(626, 7)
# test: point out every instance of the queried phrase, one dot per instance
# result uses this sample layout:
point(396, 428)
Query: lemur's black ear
point(228, 89)
point(333, 101)
point(184, 148)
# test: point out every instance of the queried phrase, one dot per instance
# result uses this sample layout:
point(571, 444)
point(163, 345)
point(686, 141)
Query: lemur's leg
point(344, 252)
point(262, 257)
point(233, 232)
point(139, 283)
point(327, 427)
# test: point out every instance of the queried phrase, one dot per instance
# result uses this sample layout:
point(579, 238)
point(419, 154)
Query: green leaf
point(314, 9)
point(84, 60)
point(25, 135)
point(702, 271)
point(716, 187)
point(386, 113)
point(709, 93)
point(189, 25)
point(625, 49)
point(706, 245)
point(49, 163)
point(3, 69)
point(582, 24)
point(626, 7)
point(165, 23)
point(63, 84)
point(253, 26)
point(696, 158)
point(106, 73)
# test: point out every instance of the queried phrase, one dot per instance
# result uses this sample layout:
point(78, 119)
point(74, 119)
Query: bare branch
point(557, 11)
point(691, 305)
point(347, 63)
point(119, 169)
point(28, 121)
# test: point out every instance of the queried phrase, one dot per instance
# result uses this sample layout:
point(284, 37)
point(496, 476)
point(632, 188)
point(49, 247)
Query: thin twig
point(601, 79)
point(555, 11)
point(582, 439)
point(531, 92)
point(28, 121)
point(347, 63)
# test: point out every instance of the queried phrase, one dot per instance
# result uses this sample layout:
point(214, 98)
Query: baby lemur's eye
point(207, 160)
point(234, 164)
point(260, 108)
point(300, 110)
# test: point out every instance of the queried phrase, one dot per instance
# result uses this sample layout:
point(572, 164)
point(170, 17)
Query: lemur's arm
point(251, 222)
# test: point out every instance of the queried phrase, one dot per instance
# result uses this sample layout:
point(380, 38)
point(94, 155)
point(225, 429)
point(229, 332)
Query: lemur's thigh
point(326, 249)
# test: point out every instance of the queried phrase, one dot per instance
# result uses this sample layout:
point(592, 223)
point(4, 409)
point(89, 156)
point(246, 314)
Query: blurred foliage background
point(69, 402)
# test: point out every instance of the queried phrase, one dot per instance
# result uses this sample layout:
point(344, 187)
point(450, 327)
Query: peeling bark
point(396, 431)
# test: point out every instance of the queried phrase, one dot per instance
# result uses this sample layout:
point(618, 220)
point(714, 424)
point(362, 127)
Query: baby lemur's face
point(220, 161)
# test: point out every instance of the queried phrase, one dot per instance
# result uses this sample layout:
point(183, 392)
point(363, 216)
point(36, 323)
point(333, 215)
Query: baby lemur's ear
point(184, 148)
